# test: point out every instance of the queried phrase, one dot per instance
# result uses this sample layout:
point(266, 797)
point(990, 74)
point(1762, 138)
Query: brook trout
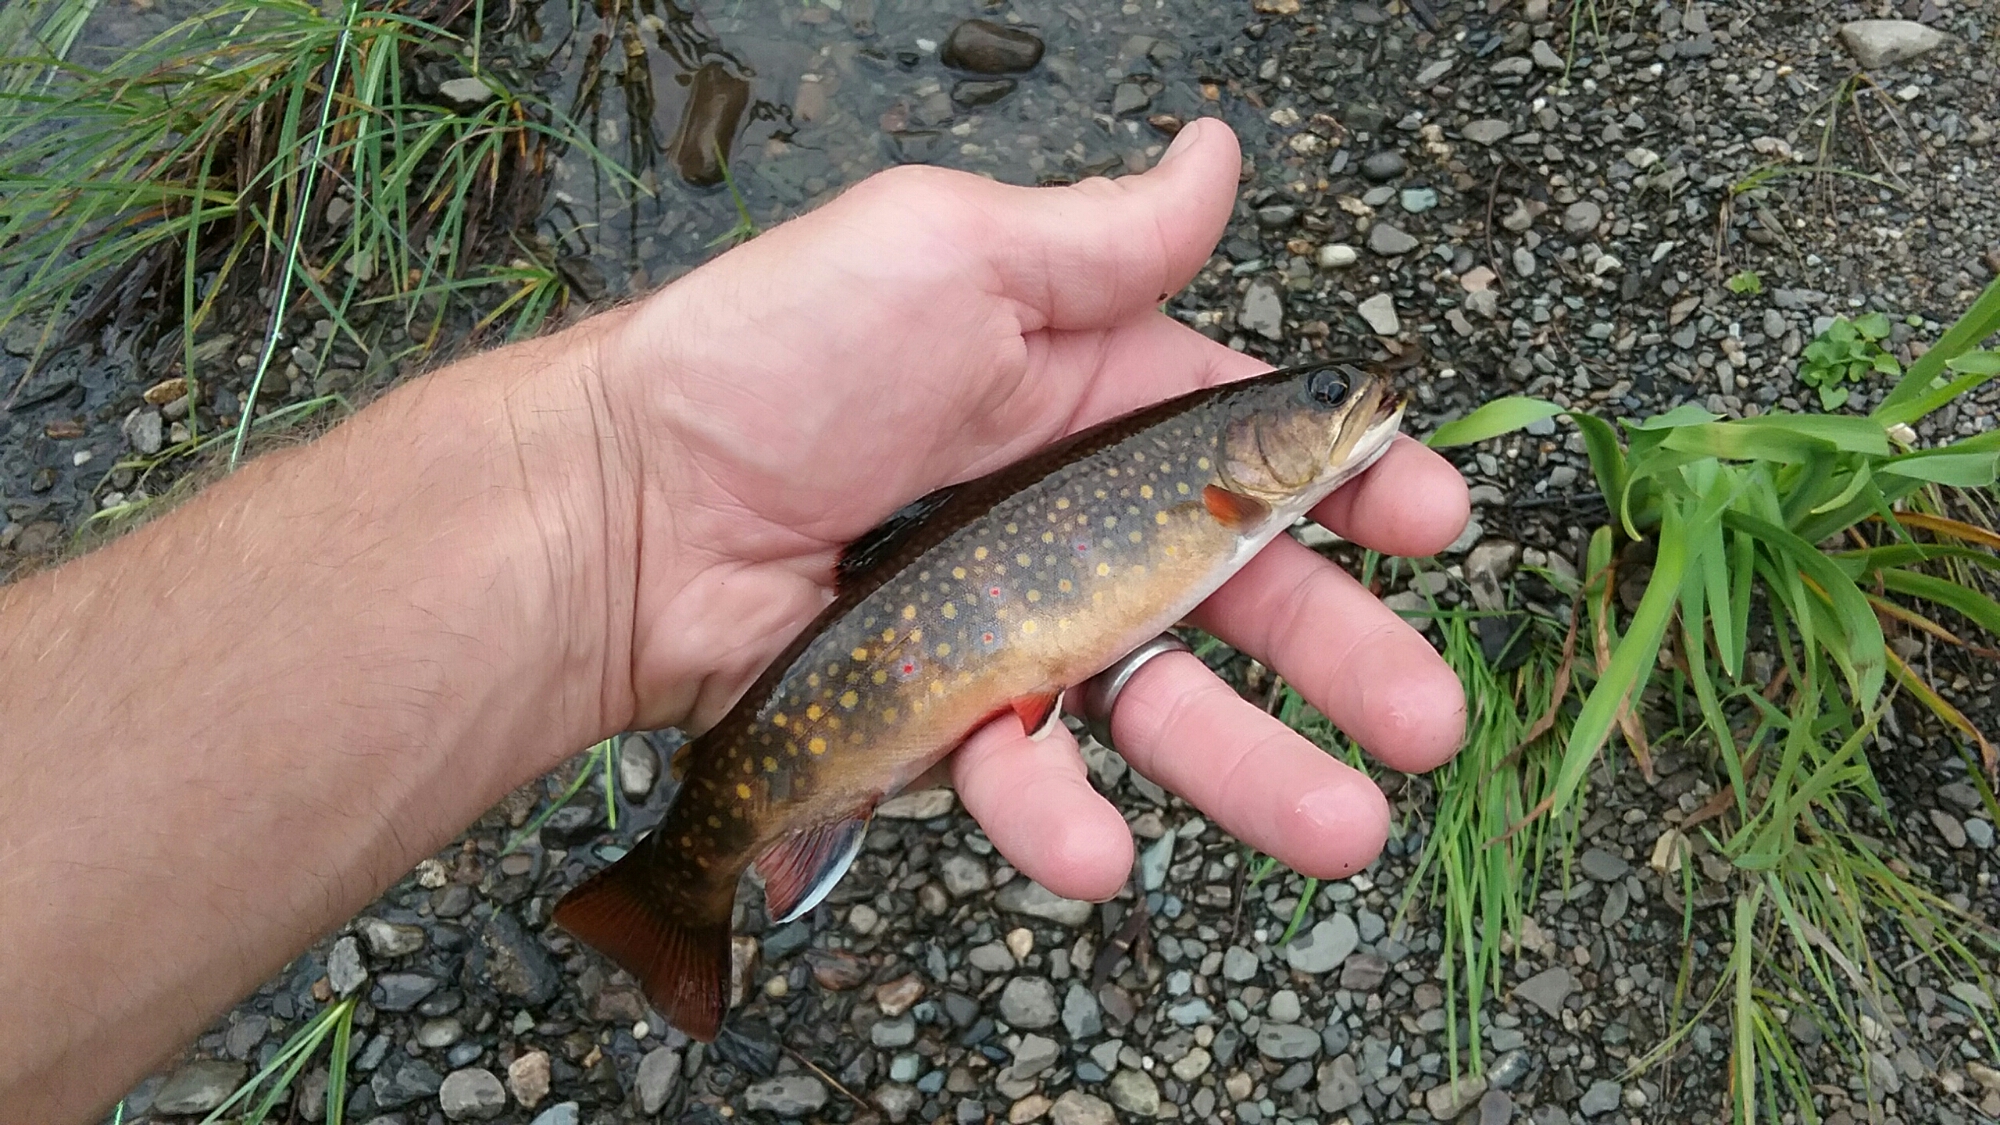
point(983, 598)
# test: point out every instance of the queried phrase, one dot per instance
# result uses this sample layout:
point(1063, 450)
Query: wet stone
point(1135, 1092)
point(658, 1071)
point(984, 47)
point(562, 1113)
point(1238, 964)
point(1325, 947)
point(1129, 97)
point(1287, 1041)
point(701, 143)
point(975, 92)
point(512, 963)
point(1363, 972)
point(390, 939)
point(408, 1080)
point(528, 1078)
point(199, 1087)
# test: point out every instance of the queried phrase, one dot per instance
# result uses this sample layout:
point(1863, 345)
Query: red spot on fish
point(909, 668)
point(993, 592)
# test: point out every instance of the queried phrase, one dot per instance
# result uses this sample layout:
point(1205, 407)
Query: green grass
point(271, 161)
point(1808, 541)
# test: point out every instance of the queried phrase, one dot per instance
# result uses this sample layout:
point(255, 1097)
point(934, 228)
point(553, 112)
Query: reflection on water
point(802, 99)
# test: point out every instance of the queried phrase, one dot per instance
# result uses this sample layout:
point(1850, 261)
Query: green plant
point(1847, 352)
point(265, 152)
point(1734, 514)
point(600, 760)
point(1746, 283)
point(275, 1077)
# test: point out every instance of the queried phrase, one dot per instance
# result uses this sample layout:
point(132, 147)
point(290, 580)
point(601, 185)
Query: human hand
point(927, 327)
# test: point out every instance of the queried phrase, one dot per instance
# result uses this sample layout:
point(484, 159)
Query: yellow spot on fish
point(1013, 529)
point(880, 677)
point(814, 712)
point(848, 699)
point(958, 572)
point(817, 745)
point(1062, 502)
point(1048, 536)
point(770, 765)
point(1139, 570)
point(1145, 492)
point(1103, 495)
point(1027, 627)
point(1062, 622)
point(949, 610)
point(859, 654)
point(888, 714)
point(1135, 537)
point(1181, 488)
point(1173, 552)
point(1160, 518)
point(1097, 597)
point(715, 821)
point(937, 687)
point(812, 679)
point(1034, 595)
point(944, 650)
point(1202, 463)
point(1065, 585)
point(1023, 560)
point(1104, 570)
point(779, 719)
point(909, 613)
point(833, 722)
point(979, 553)
point(1110, 521)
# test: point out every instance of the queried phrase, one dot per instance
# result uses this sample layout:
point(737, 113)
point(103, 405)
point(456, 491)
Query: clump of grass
point(266, 153)
point(261, 1093)
point(1848, 351)
point(600, 760)
point(1796, 537)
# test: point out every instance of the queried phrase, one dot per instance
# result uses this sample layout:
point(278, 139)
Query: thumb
point(1096, 253)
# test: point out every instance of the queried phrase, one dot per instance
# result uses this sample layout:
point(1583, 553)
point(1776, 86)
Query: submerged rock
point(715, 104)
point(984, 47)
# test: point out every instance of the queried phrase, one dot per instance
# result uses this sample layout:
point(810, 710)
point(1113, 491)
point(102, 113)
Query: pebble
point(1020, 942)
point(1495, 1108)
point(390, 939)
point(1325, 947)
point(1546, 56)
point(344, 971)
point(1135, 1092)
point(1192, 1065)
point(1547, 990)
point(1380, 313)
point(1287, 1041)
point(472, 1094)
point(1603, 1096)
point(244, 1035)
point(1582, 217)
point(1948, 828)
point(890, 1033)
point(924, 804)
point(1389, 241)
point(1263, 310)
point(716, 99)
point(399, 992)
point(1878, 43)
point(975, 92)
point(900, 995)
point(528, 1078)
point(1129, 97)
point(1337, 256)
point(438, 1034)
point(514, 964)
point(1487, 131)
point(1238, 964)
point(1603, 866)
point(1283, 1006)
point(1523, 260)
point(1363, 972)
point(992, 957)
point(561, 1113)
point(1154, 860)
point(1078, 1108)
point(963, 875)
point(465, 91)
point(199, 1086)
point(638, 767)
point(1036, 1054)
point(1028, 1002)
point(1081, 1015)
point(984, 47)
point(1384, 165)
point(1449, 1099)
point(145, 431)
point(788, 1095)
point(1979, 833)
point(1417, 200)
point(409, 1080)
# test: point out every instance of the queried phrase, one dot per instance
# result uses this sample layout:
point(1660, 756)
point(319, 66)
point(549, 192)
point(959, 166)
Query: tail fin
point(681, 956)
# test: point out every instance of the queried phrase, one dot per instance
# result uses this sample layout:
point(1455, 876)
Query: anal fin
point(799, 871)
point(1039, 714)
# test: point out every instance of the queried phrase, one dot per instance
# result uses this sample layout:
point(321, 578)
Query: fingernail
point(1182, 141)
point(1327, 809)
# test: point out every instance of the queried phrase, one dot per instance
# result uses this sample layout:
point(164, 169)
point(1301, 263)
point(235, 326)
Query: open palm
point(929, 326)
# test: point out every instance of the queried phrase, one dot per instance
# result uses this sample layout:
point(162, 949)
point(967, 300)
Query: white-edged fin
point(1050, 723)
point(799, 872)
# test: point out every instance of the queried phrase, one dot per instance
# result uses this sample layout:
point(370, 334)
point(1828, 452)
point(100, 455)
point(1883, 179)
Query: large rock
point(1287, 1041)
point(1077, 1108)
point(1028, 1002)
point(512, 962)
point(985, 47)
point(1876, 43)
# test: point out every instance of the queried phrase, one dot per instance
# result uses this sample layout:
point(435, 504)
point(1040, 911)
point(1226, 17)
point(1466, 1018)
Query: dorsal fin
point(881, 541)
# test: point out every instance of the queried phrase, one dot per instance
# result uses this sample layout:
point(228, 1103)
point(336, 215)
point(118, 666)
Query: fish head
point(1308, 433)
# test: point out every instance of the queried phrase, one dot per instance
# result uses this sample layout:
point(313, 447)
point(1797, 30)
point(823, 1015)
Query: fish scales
point(992, 596)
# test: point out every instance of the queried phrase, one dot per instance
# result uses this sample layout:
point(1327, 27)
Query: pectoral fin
point(1233, 510)
point(799, 871)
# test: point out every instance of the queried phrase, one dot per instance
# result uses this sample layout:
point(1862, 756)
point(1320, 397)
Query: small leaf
point(1875, 325)
point(1976, 363)
point(1501, 416)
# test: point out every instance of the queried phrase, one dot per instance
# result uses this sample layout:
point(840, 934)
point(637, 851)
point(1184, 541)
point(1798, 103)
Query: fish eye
point(1328, 386)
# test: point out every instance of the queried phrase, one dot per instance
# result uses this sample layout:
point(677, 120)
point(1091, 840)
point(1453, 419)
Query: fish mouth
point(1380, 421)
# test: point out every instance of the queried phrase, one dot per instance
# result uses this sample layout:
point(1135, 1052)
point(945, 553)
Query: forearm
point(228, 731)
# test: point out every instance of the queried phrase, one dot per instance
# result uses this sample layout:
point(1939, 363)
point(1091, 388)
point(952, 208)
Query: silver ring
point(1100, 692)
